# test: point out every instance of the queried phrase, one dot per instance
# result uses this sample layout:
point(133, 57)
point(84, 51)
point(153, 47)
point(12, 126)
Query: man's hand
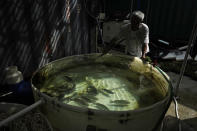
point(143, 56)
point(146, 59)
point(144, 50)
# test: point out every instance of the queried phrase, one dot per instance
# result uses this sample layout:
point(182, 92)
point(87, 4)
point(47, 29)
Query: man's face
point(135, 21)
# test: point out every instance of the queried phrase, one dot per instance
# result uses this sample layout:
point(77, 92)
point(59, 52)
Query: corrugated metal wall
point(34, 32)
point(172, 19)
point(167, 19)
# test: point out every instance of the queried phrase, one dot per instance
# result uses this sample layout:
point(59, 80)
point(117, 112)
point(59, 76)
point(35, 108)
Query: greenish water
point(101, 87)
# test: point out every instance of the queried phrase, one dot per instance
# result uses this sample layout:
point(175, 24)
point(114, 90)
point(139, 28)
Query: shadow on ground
point(172, 124)
point(187, 99)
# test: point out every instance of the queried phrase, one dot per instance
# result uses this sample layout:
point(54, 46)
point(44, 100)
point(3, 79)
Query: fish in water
point(129, 79)
point(87, 99)
point(80, 101)
point(91, 97)
point(101, 106)
point(71, 97)
point(92, 89)
point(108, 91)
point(123, 102)
point(104, 93)
point(117, 88)
point(65, 89)
point(68, 78)
point(119, 105)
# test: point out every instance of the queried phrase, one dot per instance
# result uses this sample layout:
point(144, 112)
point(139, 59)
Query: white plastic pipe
point(9, 93)
point(164, 42)
point(22, 112)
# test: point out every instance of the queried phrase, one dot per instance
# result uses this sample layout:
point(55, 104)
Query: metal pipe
point(192, 38)
point(22, 112)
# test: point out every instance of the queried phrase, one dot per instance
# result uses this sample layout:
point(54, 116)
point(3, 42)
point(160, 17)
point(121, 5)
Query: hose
point(177, 113)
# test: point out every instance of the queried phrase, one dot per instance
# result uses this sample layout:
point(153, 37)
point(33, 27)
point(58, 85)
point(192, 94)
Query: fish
point(92, 89)
point(129, 79)
point(48, 94)
point(72, 96)
point(43, 90)
point(65, 99)
point(51, 86)
point(92, 97)
point(101, 106)
point(87, 99)
point(120, 102)
point(61, 96)
point(119, 105)
point(68, 78)
point(108, 91)
point(104, 93)
point(63, 89)
point(117, 88)
point(80, 101)
point(54, 94)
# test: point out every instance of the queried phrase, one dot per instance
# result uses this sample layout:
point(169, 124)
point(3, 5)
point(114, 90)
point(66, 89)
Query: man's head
point(136, 18)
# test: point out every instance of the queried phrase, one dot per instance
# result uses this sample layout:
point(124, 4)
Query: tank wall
point(63, 117)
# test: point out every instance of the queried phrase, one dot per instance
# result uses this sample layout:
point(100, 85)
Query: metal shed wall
point(172, 19)
point(35, 32)
point(167, 19)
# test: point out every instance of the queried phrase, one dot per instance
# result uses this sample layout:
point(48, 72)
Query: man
point(136, 36)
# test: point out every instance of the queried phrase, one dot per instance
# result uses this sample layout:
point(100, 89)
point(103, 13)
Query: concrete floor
point(187, 105)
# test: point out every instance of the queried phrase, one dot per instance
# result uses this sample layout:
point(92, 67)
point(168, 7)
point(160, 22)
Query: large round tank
point(70, 117)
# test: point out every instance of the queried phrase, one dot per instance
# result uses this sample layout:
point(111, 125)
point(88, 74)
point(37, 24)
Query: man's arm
point(145, 40)
point(144, 50)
